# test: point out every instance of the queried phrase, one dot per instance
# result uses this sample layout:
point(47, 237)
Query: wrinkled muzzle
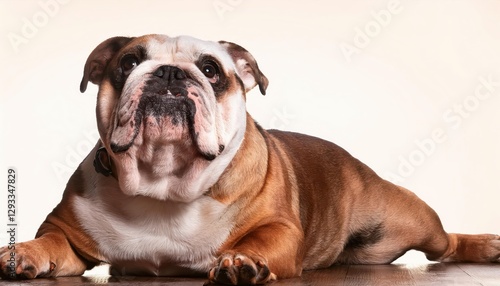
point(165, 107)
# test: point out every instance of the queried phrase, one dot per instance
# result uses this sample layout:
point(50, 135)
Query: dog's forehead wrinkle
point(186, 49)
point(160, 50)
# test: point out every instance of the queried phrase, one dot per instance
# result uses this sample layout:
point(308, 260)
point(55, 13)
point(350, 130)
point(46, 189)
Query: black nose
point(170, 73)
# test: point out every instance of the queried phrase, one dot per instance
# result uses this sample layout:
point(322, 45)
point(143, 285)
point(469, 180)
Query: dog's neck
point(246, 172)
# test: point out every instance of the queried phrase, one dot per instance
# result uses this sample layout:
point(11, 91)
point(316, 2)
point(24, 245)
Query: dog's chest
point(141, 236)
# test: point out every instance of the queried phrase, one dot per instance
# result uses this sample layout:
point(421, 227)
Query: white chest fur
point(140, 235)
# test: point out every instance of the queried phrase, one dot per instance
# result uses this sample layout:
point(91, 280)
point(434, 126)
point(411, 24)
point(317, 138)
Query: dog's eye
point(211, 70)
point(128, 63)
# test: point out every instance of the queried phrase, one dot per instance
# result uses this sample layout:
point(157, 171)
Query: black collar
point(103, 163)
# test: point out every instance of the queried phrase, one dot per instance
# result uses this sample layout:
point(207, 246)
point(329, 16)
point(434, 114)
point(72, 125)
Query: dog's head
point(171, 111)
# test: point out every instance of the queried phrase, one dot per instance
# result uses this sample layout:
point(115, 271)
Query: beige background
point(412, 88)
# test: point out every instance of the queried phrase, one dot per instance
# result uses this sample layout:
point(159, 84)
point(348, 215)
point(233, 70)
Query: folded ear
point(246, 67)
point(98, 60)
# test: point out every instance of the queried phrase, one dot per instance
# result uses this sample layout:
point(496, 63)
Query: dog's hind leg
point(398, 223)
point(470, 248)
point(406, 222)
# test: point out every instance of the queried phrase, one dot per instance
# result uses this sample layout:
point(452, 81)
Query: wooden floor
point(392, 275)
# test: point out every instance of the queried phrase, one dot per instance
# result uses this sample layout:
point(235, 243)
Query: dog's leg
point(471, 248)
point(263, 255)
point(60, 248)
point(49, 255)
point(409, 223)
point(449, 247)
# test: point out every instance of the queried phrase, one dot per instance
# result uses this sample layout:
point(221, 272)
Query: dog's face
point(171, 111)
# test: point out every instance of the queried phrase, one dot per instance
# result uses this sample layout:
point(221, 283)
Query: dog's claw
point(240, 269)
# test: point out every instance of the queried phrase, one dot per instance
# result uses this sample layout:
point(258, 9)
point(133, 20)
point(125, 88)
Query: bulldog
point(184, 182)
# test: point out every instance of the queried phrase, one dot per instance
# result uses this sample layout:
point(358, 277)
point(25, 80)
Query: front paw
point(240, 269)
point(24, 261)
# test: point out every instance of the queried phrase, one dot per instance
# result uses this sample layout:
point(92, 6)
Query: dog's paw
point(24, 261)
point(493, 249)
point(240, 269)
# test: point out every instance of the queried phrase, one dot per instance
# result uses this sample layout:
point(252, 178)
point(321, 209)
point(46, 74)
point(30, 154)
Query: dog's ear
point(246, 67)
point(99, 58)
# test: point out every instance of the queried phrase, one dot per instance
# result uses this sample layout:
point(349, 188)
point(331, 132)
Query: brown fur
point(310, 208)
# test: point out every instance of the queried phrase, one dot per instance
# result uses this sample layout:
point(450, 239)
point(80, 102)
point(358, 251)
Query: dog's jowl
point(184, 182)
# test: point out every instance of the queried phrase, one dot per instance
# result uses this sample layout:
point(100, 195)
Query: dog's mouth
point(165, 109)
point(160, 114)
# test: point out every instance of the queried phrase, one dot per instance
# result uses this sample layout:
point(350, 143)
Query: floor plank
point(486, 274)
point(441, 274)
point(392, 275)
point(379, 275)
